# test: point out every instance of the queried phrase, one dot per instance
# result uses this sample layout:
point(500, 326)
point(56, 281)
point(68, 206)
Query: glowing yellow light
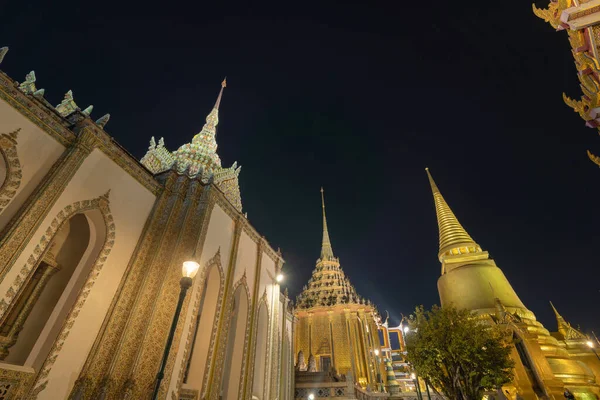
point(190, 268)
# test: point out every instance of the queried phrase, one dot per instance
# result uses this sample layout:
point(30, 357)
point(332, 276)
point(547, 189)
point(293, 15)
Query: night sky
point(358, 99)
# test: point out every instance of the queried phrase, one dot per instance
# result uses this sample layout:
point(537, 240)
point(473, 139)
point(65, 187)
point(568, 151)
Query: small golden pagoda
point(545, 366)
point(336, 329)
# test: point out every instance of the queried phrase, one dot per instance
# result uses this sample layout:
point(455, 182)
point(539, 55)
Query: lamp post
point(591, 346)
point(188, 270)
point(415, 379)
point(379, 382)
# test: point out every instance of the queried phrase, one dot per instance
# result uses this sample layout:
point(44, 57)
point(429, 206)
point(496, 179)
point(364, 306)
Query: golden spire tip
point(224, 83)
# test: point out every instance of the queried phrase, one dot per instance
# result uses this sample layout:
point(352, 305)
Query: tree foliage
point(458, 352)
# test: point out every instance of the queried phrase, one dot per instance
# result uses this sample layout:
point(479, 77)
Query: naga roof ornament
point(28, 86)
point(68, 105)
point(3, 51)
point(581, 20)
point(103, 120)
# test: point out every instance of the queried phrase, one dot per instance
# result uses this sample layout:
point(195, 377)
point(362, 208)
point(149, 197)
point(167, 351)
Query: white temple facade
point(91, 247)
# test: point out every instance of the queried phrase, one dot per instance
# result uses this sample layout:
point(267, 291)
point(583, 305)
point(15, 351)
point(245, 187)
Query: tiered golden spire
point(328, 285)
point(454, 239)
point(326, 249)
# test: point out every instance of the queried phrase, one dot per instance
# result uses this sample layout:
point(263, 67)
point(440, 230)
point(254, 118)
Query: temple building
point(546, 364)
point(581, 20)
point(92, 243)
point(336, 330)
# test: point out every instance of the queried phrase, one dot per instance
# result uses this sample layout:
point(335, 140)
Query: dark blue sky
point(358, 99)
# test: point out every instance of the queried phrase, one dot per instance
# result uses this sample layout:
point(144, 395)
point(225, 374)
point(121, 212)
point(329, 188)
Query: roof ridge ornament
point(68, 105)
point(3, 51)
point(28, 85)
point(103, 120)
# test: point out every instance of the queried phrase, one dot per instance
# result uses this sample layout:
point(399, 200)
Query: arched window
point(198, 361)
point(234, 355)
point(260, 357)
point(35, 317)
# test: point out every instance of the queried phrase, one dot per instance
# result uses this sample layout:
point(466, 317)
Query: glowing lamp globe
point(590, 344)
point(279, 277)
point(190, 268)
point(406, 329)
point(311, 396)
point(376, 351)
point(413, 376)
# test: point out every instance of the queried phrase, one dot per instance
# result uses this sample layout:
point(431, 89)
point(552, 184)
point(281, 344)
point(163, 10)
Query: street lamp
point(591, 346)
point(279, 278)
point(379, 382)
point(311, 397)
point(188, 271)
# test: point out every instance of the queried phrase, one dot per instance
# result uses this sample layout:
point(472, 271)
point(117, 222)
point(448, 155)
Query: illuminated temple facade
point(546, 364)
point(91, 247)
point(336, 329)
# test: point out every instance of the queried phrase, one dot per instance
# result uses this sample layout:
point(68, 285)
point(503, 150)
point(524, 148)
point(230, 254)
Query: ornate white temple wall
point(36, 152)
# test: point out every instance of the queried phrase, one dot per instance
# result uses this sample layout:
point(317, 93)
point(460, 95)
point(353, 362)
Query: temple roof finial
point(454, 239)
point(326, 250)
point(223, 86)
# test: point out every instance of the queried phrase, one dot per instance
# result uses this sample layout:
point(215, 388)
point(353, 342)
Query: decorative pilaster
point(218, 357)
point(102, 357)
point(248, 379)
point(23, 226)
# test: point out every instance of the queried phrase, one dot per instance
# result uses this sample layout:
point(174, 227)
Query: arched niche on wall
point(260, 355)
point(36, 316)
point(198, 362)
point(236, 341)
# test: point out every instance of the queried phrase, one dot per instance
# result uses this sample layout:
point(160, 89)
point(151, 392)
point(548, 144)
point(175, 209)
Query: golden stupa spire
point(326, 250)
point(454, 239)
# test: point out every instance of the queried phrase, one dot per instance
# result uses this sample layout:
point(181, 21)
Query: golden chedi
point(471, 280)
point(335, 326)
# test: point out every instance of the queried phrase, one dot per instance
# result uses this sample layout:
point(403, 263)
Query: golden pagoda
point(336, 329)
point(470, 279)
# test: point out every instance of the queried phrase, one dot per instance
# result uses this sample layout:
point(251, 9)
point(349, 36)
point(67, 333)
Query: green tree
point(458, 353)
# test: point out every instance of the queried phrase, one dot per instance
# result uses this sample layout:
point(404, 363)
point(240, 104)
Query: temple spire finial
point(326, 250)
point(223, 86)
point(454, 239)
